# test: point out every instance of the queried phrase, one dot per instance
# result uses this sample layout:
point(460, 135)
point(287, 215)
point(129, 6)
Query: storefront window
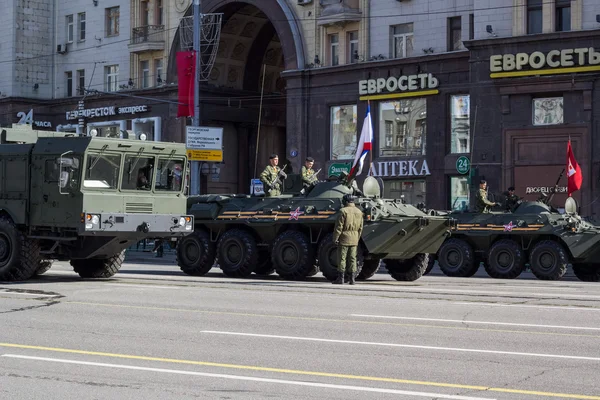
point(460, 124)
point(413, 191)
point(459, 193)
point(343, 132)
point(548, 111)
point(402, 128)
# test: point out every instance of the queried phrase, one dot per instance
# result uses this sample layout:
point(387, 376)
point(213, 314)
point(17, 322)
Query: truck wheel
point(328, 259)
point(98, 267)
point(587, 272)
point(430, 264)
point(196, 253)
point(369, 268)
point(43, 267)
point(293, 255)
point(265, 265)
point(408, 270)
point(19, 256)
point(548, 260)
point(237, 253)
point(506, 260)
point(455, 258)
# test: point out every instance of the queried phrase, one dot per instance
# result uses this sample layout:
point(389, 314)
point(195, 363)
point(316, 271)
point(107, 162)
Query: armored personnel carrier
point(292, 234)
point(534, 233)
point(85, 200)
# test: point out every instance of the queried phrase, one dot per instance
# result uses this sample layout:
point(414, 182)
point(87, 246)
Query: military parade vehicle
point(291, 234)
point(533, 234)
point(85, 200)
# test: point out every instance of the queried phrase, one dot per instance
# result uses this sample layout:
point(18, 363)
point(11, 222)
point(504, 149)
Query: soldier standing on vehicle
point(512, 200)
point(482, 203)
point(270, 177)
point(308, 175)
point(346, 235)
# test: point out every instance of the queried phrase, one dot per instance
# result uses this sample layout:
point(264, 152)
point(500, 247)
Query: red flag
point(574, 177)
point(186, 71)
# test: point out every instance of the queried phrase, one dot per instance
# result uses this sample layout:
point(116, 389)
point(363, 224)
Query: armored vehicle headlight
point(182, 221)
point(95, 220)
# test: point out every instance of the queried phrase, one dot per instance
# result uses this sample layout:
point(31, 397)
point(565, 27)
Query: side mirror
point(64, 179)
point(68, 162)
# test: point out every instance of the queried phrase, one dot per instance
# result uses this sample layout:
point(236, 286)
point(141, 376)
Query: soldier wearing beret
point(308, 174)
point(270, 177)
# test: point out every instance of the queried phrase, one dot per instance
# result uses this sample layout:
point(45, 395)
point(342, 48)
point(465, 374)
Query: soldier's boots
point(351, 279)
point(339, 280)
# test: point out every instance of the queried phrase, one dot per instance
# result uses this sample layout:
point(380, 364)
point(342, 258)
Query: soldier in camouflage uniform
point(482, 204)
point(307, 173)
point(346, 235)
point(269, 177)
point(512, 200)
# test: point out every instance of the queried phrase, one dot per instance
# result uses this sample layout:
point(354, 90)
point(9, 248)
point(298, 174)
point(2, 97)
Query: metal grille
point(210, 34)
point(139, 208)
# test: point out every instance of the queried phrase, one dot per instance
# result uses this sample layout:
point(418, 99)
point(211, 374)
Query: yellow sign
point(399, 95)
point(205, 155)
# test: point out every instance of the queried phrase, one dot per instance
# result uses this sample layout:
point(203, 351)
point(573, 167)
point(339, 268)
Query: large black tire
point(430, 264)
point(237, 253)
point(506, 260)
point(548, 260)
point(196, 253)
point(293, 255)
point(327, 259)
point(19, 256)
point(369, 268)
point(265, 265)
point(456, 258)
point(587, 272)
point(408, 270)
point(43, 267)
point(98, 267)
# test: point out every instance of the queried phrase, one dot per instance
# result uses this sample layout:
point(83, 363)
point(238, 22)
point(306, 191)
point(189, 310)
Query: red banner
point(574, 177)
point(186, 71)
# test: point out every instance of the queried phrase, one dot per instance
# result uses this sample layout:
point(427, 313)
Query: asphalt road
point(152, 332)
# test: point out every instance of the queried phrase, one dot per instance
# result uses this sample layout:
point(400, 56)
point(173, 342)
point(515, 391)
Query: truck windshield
point(138, 173)
point(102, 171)
point(169, 175)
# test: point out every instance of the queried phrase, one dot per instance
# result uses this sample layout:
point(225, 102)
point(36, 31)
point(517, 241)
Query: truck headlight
point(182, 221)
point(92, 221)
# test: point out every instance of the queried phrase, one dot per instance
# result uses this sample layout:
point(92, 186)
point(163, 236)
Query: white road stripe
point(133, 285)
point(28, 294)
point(487, 292)
point(254, 379)
point(526, 306)
point(409, 346)
point(460, 321)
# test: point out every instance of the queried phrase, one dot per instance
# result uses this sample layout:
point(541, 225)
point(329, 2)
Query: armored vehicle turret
point(292, 234)
point(534, 233)
point(85, 200)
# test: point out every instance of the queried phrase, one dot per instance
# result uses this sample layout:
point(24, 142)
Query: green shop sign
point(463, 165)
point(337, 168)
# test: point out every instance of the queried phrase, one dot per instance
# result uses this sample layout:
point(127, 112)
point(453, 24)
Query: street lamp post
point(195, 165)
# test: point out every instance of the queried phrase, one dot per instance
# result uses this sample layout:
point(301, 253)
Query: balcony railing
point(339, 11)
point(148, 33)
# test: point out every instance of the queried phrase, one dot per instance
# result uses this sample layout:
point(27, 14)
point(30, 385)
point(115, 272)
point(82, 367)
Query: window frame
point(81, 81)
point(409, 125)
point(394, 36)
point(538, 9)
point(334, 49)
point(352, 45)
point(152, 183)
point(81, 27)
point(68, 83)
point(145, 74)
point(86, 166)
point(559, 23)
point(453, 27)
point(331, 107)
point(533, 109)
point(167, 160)
point(70, 28)
point(111, 21)
point(450, 194)
point(158, 13)
point(114, 74)
point(158, 70)
point(451, 97)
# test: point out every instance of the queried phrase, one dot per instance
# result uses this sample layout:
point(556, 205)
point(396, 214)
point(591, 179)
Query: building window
point(563, 15)
point(334, 50)
point(459, 193)
point(534, 16)
point(81, 81)
point(158, 70)
point(144, 13)
point(460, 124)
point(158, 19)
point(111, 78)
point(353, 46)
point(402, 40)
point(145, 73)
point(81, 27)
point(548, 111)
point(70, 27)
point(454, 34)
point(69, 84)
point(343, 132)
point(471, 26)
point(403, 128)
point(413, 191)
point(112, 21)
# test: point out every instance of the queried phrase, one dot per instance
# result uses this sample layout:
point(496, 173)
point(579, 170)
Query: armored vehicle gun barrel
point(85, 200)
point(292, 234)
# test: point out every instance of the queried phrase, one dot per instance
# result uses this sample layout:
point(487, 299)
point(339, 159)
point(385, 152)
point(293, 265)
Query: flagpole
point(370, 152)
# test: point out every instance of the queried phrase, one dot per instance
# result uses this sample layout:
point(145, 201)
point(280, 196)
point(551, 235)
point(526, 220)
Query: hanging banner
point(186, 71)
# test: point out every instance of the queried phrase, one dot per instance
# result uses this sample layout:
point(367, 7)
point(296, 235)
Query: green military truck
point(85, 200)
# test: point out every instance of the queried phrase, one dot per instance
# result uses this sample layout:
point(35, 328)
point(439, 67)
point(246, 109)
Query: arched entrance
point(256, 36)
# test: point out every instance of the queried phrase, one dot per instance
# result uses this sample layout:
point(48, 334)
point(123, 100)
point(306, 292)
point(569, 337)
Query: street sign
point(205, 155)
point(203, 138)
point(463, 164)
point(336, 169)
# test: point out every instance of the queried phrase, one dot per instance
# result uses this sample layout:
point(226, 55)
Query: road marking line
point(302, 372)
point(254, 379)
point(347, 321)
point(28, 294)
point(485, 292)
point(460, 321)
point(409, 346)
point(527, 306)
point(134, 285)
